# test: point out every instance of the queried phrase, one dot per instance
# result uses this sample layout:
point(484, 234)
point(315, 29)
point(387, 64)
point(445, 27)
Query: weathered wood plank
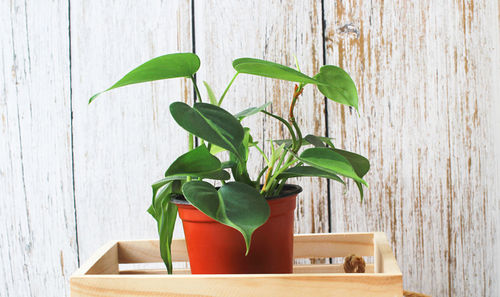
point(125, 140)
point(426, 74)
point(276, 31)
point(38, 248)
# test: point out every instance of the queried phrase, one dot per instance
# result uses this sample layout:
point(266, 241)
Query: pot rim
point(288, 190)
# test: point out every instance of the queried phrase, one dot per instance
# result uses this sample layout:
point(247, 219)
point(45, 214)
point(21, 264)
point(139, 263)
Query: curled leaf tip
point(93, 97)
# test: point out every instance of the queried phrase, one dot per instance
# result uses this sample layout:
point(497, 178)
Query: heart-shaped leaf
point(301, 171)
point(251, 111)
point(163, 67)
point(210, 123)
point(236, 205)
point(337, 85)
point(197, 162)
point(270, 69)
point(327, 159)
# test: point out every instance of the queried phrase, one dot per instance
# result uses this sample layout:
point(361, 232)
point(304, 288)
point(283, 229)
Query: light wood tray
point(101, 274)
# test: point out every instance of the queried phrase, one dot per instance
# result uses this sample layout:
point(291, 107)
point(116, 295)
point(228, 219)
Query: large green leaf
point(360, 164)
point(163, 67)
point(270, 69)
point(236, 205)
point(197, 162)
point(331, 161)
point(337, 85)
point(301, 171)
point(210, 123)
point(251, 111)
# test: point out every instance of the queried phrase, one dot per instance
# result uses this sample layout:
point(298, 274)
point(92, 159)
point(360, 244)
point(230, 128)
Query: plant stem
point(291, 118)
point(290, 129)
point(262, 153)
point(196, 89)
point(261, 173)
point(297, 144)
point(227, 89)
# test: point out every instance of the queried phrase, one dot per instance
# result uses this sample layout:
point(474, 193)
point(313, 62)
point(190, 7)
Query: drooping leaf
point(270, 69)
point(337, 85)
point(236, 205)
point(301, 171)
point(163, 67)
point(160, 183)
point(331, 161)
point(210, 123)
point(251, 111)
point(360, 164)
point(210, 92)
point(165, 214)
point(197, 162)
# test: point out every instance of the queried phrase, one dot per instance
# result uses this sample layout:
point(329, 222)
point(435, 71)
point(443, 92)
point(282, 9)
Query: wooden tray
point(101, 274)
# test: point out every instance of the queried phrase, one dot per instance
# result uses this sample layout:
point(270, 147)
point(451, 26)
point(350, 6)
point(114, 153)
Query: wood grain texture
point(427, 73)
point(125, 140)
point(276, 31)
point(427, 77)
point(37, 223)
point(96, 278)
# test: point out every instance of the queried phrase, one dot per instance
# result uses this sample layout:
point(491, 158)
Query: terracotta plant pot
point(215, 248)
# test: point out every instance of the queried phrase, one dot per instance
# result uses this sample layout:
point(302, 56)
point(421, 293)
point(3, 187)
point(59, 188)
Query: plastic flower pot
point(215, 248)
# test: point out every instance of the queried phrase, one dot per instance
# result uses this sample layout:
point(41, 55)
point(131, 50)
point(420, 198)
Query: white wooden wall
point(73, 175)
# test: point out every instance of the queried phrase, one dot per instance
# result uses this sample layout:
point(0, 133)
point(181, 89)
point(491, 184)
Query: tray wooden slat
point(101, 275)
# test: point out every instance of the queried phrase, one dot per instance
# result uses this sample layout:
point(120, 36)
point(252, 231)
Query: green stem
point(261, 173)
point(273, 177)
point(227, 89)
point(262, 153)
point(196, 88)
point(290, 129)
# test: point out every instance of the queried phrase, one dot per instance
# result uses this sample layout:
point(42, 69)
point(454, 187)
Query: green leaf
point(236, 205)
point(165, 214)
point(251, 111)
point(197, 162)
point(210, 93)
point(331, 161)
point(270, 69)
point(300, 171)
point(360, 164)
point(289, 142)
point(217, 175)
point(315, 140)
point(337, 85)
point(210, 123)
point(215, 149)
point(163, 67)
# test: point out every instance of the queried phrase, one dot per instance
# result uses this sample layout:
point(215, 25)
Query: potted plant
point(245, 224)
